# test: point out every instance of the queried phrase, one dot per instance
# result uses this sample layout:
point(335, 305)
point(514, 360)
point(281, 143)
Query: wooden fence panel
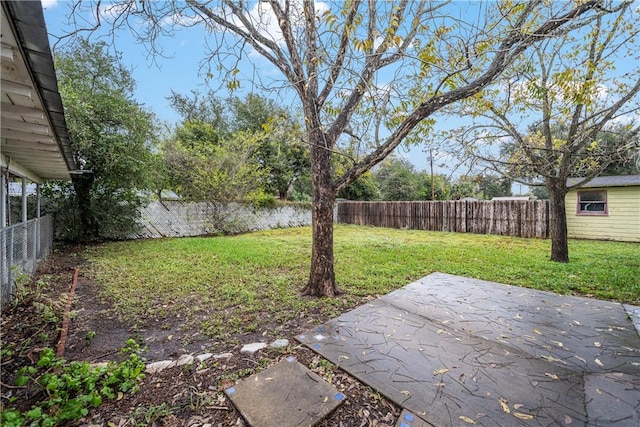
point(517, 218)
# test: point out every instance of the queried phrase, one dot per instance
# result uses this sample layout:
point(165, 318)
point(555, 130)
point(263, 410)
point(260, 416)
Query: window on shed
point(592, 202)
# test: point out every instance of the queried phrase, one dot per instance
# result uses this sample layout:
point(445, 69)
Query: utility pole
point(433, 190)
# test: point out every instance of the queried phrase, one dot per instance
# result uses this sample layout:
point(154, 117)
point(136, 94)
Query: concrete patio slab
point(287, 395)
point(454, 350)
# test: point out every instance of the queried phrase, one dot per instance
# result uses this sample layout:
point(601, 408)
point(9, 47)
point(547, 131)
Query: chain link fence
point(23, 245)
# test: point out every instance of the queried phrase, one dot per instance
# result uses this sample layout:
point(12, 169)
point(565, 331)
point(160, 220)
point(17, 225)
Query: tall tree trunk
point(322, 280)
point(558, 220)
point(82, 185)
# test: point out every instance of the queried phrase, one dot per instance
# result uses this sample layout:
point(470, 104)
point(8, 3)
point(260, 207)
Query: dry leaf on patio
point(523, 416)
point(552, 376)
point(440, 371)
point(467, 419)
point(505, 406)
point(567, 419)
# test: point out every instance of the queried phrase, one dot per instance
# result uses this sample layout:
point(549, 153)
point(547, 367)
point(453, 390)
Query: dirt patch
point(191, 395)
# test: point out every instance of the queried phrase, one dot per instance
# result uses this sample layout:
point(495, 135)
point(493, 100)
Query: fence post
point(10, 260)
point(38, 224)
point(4, 278)
point(34, 238)
point(4, 268)
point(25, 232)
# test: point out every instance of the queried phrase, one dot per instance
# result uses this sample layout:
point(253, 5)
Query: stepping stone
point(154, 368)
point(223, 356)
point(202, 357)
point(185, 359)
point(281, 343)
point(285, 395)
point(253, 347)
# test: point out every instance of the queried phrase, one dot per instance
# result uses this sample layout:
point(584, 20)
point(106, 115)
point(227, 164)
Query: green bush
point(264, 201)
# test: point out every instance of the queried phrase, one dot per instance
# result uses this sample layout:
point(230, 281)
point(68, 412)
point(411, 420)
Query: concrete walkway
point(457, 351)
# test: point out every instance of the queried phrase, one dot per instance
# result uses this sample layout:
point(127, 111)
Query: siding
point(622, 223)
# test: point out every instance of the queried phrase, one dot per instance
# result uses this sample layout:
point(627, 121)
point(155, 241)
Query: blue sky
point(156, 77)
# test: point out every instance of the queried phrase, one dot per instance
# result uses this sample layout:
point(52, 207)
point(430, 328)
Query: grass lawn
point(222, 284)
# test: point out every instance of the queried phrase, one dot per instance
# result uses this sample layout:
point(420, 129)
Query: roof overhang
point(34, 137)
point(606, 181)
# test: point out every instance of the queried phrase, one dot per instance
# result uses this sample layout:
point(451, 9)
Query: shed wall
point(622, 222)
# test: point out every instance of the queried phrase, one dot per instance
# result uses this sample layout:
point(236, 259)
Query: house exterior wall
point(622, 221)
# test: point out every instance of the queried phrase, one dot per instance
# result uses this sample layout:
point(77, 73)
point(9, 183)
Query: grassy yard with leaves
point(222, 284)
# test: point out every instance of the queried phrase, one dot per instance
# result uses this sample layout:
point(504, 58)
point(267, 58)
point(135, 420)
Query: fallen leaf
point(552, 376)
point(598, 391)
point(517, 406)
point(597, 344)
point(406, 392)
point(567, 419)
point(325, 400)
point(580, 359)
point(523, 416)
point(599, 363)
point(439, 384)
point(467, 419)
point(120, 395)
point(505, 406)
point(537, 331)
point(440, 371)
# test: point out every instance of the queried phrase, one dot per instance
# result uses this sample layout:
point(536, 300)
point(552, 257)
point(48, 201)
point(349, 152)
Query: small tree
point(274, 144)
point(219, 173)
point(362, 68)
point(398, 180)
point(112, 136)
point(581, 89)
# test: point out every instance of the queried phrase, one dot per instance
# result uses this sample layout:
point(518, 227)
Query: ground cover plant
point(214, 294)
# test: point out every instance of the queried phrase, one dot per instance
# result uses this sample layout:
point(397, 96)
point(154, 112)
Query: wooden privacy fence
point(519, 218)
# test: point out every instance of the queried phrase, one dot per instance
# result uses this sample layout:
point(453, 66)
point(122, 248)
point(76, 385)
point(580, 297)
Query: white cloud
point(49, 3)
point(265, 21)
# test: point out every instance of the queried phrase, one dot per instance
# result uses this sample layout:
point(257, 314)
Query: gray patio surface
point(458, 351)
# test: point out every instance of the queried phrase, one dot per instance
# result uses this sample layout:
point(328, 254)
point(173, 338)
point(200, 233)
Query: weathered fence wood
point(519, 218)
